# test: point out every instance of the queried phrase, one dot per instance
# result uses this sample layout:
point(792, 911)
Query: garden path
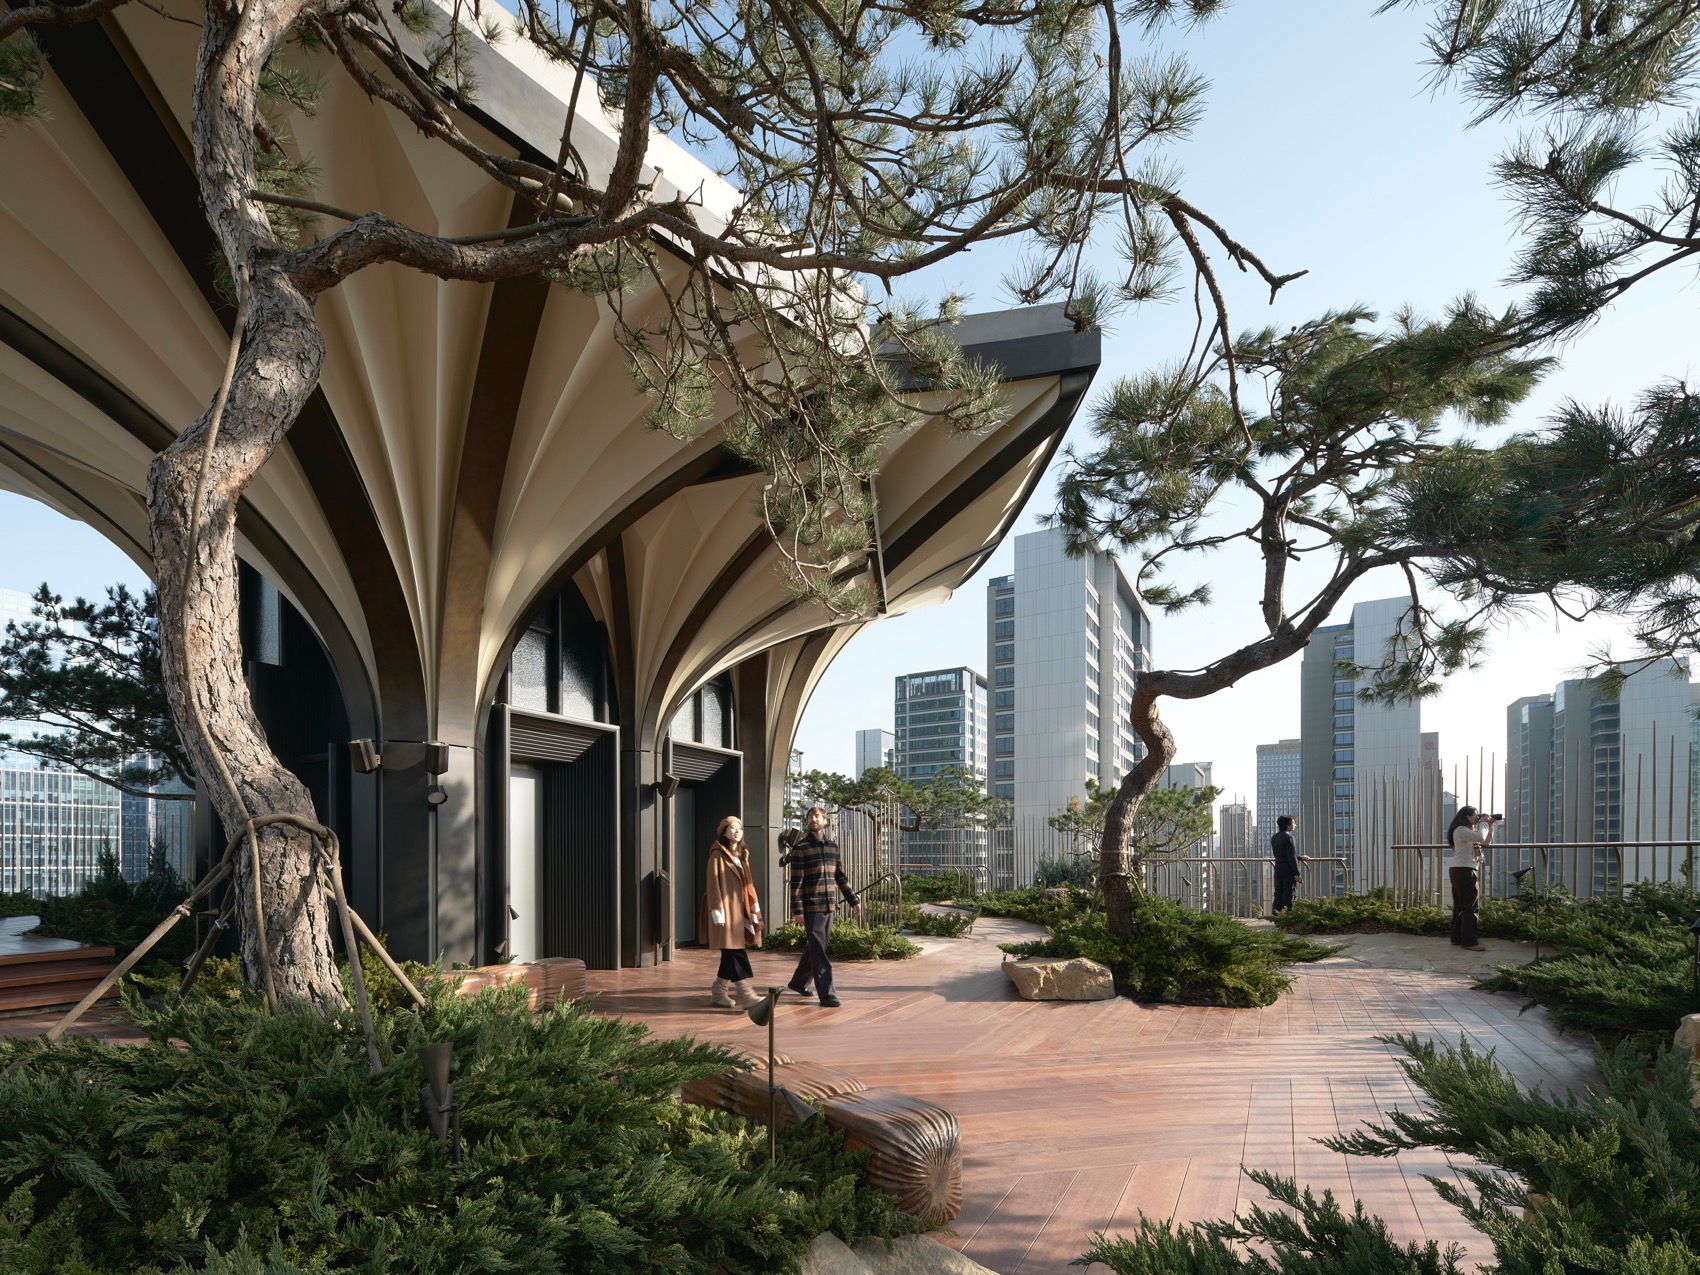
point(1080, 1117)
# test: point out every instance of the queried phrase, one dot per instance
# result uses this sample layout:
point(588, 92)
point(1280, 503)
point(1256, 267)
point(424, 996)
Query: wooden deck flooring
point(1080, 1117)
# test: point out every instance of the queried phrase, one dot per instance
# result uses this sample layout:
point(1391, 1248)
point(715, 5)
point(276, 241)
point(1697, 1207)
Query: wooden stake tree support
point(354, 932)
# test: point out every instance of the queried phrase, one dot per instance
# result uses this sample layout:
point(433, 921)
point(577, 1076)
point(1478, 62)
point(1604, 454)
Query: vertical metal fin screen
point(581, 883)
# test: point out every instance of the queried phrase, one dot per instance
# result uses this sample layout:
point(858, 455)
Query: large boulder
point(911, 1255)
point(1059, 978)
point(1688, 1033)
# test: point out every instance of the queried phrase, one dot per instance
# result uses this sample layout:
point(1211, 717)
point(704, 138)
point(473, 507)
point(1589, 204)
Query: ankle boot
point(744, 993)
point(717, 994)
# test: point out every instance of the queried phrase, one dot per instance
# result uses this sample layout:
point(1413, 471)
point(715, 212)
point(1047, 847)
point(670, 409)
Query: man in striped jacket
point(815, 871)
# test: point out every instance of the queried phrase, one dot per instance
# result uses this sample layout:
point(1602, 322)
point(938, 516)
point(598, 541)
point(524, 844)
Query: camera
point(1493, 818)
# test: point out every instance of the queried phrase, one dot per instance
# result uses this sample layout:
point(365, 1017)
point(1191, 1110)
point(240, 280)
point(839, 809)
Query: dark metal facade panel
point(581, 856)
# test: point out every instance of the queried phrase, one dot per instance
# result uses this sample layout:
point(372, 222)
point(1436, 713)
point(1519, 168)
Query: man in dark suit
point(1287, 860)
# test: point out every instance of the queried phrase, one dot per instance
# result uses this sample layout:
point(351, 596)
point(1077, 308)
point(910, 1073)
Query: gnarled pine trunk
point(200, 641)
point(1115, 852)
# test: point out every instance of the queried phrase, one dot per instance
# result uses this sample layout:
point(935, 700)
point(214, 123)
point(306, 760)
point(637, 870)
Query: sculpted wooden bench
point(552, 979)
point(916, 1145)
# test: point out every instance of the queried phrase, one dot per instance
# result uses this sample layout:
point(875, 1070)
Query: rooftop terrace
point(1077, 1117)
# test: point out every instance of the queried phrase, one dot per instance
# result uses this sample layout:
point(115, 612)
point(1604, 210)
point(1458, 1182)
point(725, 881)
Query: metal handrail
point(1628, 843)
point(884, 876)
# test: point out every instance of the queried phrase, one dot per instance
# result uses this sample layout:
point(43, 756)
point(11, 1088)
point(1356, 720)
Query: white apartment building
point(1236, 833)
point(1065, 638)
point(1583, 765)
point(1188, 774)
point(874, 748)
point(1351, 750)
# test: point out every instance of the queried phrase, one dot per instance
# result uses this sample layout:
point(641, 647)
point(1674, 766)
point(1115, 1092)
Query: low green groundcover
point(1377, 913)
point(1619, 967)
point(112, 912)
point(1603, 1183)
point(1174, 954)
point(936, 887)
point(850, 941)
point(246, 1143)
point(939, 925)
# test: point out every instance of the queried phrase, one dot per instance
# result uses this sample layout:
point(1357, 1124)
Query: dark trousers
point(813, 966)
point(735, 964)
point(1466, 907)
point(1284, 892)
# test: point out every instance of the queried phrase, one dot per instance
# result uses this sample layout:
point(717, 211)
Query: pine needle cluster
point(1626, 970)
point(1606, 1182)
point(237, 1140)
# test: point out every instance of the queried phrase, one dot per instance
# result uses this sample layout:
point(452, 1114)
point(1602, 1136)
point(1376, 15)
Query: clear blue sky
point(1323, 149)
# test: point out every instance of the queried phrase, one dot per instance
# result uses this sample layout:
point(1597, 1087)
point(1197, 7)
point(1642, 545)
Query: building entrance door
point(687, 889)
point(525, 844)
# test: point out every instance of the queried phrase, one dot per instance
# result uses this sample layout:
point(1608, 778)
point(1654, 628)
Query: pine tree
point(88, 673)
point(1333, 473)
point(1607, 493)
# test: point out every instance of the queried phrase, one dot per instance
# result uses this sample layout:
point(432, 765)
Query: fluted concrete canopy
point(473, 448)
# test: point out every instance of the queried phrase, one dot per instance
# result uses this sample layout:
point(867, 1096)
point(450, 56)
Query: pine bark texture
point(200, 639)
point(1116, 868)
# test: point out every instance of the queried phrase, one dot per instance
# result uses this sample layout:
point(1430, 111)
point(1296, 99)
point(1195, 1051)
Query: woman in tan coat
point(731, 915)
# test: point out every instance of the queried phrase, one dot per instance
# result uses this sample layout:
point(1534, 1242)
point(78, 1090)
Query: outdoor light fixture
point(667, 785)
point(437, 1098)
point(364, 755)
point(1518, 875)
point(436, 795)
point(761, 1014)
point(367, 755)
point(803, 1113)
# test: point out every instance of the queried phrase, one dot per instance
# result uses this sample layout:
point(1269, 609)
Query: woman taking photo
point(1468, 834)
point(731, 915)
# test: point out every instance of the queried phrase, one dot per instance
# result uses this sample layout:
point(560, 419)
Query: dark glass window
point(530, 687)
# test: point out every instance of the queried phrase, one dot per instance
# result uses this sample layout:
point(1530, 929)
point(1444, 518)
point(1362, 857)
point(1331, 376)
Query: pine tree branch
point(54, 15)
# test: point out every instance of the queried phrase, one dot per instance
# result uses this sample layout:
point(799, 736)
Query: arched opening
point(296, 693)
